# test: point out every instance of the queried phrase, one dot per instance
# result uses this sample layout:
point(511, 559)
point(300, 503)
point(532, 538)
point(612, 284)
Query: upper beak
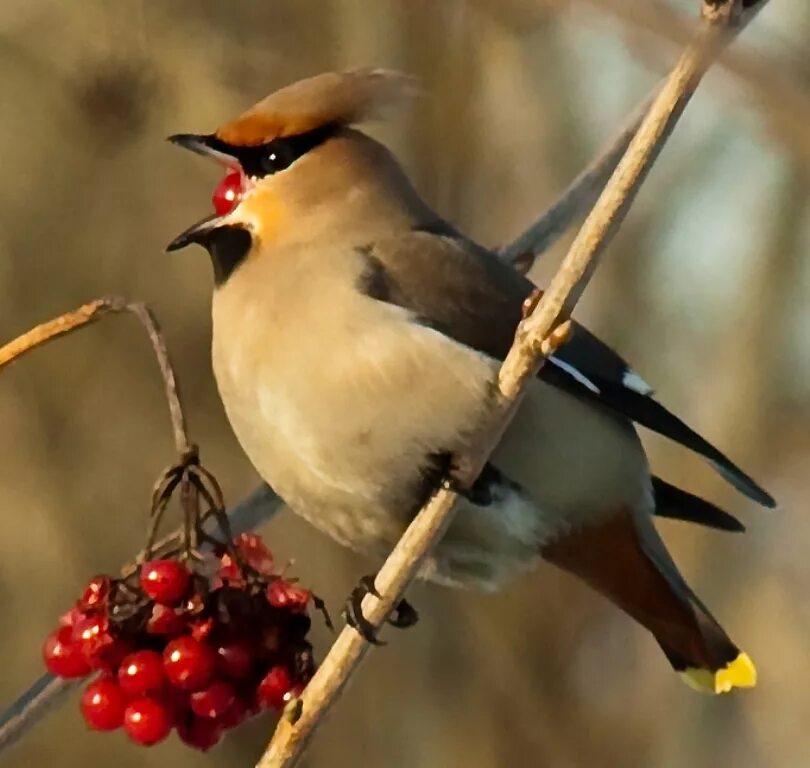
point(205, 144)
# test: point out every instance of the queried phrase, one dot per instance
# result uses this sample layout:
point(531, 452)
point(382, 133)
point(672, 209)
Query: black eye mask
point(274, 156)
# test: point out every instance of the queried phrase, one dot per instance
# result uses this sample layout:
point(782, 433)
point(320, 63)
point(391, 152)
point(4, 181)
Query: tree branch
point(91, 312)
point(536, 338)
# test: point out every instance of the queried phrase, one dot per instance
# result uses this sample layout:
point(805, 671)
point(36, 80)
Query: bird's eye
point(278, 156)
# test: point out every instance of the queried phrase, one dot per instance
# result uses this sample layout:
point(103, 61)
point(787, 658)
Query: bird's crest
point(333, 98)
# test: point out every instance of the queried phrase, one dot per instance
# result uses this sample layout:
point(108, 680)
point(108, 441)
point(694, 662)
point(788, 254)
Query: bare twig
point(536, 338)
point(91, 312)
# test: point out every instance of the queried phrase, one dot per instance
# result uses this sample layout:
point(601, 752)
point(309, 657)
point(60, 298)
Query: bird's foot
point(404, 614)
point(480, 492)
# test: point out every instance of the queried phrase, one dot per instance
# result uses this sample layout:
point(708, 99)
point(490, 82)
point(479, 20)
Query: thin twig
point(536, 338)
point(91, 312)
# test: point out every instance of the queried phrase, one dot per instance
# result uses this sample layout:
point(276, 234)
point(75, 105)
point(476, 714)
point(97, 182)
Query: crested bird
point(357, 337)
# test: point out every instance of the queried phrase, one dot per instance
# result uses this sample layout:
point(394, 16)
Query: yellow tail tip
point(740, 673)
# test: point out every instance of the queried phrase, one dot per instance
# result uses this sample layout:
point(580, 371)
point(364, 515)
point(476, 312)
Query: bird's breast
point(337, 400)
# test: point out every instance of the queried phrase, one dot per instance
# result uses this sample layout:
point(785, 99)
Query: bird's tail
point(626, 562)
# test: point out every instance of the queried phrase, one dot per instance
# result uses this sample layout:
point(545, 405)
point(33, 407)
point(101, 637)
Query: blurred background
point(705, 289)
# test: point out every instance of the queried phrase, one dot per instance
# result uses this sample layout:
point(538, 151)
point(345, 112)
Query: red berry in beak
point(227, 193)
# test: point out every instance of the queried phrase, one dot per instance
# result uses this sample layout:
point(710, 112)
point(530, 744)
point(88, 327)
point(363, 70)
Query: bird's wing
point(470, 295)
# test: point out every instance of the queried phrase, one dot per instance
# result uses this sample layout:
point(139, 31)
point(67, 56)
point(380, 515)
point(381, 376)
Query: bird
point(357, 337)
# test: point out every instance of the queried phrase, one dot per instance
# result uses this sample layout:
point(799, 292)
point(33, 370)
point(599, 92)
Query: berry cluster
point(198, 649)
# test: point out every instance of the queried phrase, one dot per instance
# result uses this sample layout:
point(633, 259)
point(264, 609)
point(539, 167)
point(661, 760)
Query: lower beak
point(196, 233)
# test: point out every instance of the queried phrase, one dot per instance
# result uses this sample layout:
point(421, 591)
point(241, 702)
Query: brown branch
point(90, 313)
point(536, 338)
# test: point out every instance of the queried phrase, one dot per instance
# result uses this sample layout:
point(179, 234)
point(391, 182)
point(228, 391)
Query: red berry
point(227, 193)
point(200, 733)
point(103, 704)
point(235, 659)
point(165, 621)
point(284, 594)
point(71, 617)
point(100, 648)
point(189, 663)
point(253, 551)
point(175, 701)
point(201, 628)
point(95, 593)
point(274, 687)
point(236, 714)
point(165, 581)
point(63, 656)
point(90, 632)
point(213, 701)
point(141, 673)
point(147, 721)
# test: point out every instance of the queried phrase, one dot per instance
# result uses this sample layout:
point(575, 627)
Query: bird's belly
point(346, 430)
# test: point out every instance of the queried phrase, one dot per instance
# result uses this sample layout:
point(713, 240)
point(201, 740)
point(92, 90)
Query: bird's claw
point(404, 614)
point(353, 611)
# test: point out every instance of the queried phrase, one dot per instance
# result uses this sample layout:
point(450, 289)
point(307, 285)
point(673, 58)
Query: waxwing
point(356, 339)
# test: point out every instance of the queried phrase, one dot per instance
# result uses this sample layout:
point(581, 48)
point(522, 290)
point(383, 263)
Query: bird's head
point(294, 164)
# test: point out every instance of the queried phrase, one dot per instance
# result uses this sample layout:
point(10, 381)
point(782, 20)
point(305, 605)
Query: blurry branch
point(576, 199)
point(537, 336)
point(582, 192)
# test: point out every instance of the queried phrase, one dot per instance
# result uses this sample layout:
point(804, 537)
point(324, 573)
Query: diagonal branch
point(536, 338)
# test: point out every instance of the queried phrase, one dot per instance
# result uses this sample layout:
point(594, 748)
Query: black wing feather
point(672, 502)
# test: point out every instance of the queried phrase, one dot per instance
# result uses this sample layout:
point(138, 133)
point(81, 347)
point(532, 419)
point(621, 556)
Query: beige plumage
point(356, 340)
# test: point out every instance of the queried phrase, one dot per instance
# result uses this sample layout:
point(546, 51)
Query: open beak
point(207, 145)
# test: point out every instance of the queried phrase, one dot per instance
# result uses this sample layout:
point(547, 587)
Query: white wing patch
point(632, 380)
point(574, 373)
